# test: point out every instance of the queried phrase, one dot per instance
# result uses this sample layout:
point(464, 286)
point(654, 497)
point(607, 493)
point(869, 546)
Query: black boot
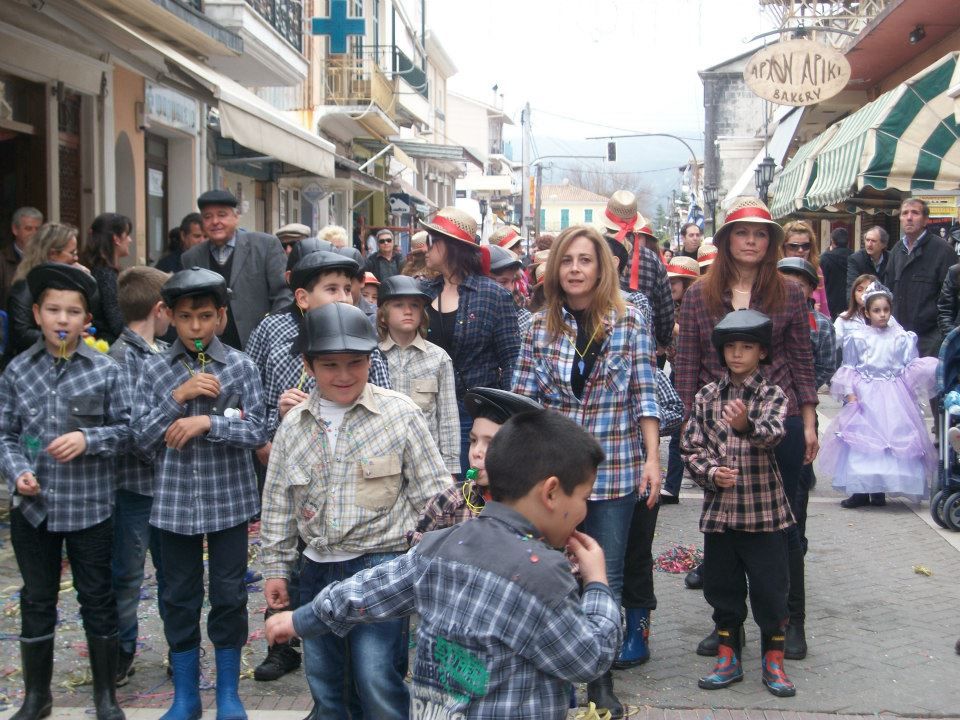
point(795, 646)
point(103, 666)
point(37, 659)
point(694, 578)
point(856, 500)
point(281, 658)
point(878, 499)
point(600, 693)
point(710, 644)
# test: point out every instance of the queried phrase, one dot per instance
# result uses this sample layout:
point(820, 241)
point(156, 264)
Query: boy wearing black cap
point(64, 416)
point(198, 413)
point(349, 471)
point(728, 448)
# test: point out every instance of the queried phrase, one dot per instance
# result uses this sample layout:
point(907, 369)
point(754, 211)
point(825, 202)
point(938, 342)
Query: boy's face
point(61, 310)
point(743, 357)
point(678, 286)
point(370, 293)
point(507, 279)
point(341, 377)
point(404, 314)
point(196, 323)
point(805, 287)
point(567, 513)
point(481, 434)
point(332, 287)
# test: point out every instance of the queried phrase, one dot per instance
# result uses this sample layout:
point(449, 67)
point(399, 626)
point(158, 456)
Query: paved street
point(881, 635)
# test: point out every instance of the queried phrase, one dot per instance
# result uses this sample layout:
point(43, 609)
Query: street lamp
point(710, 200)
point(483, 215)
point(763, 176)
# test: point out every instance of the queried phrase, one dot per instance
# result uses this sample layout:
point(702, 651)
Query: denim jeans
point(39, 554)
point(367, 651)
point(608, 522)
point(674, 466)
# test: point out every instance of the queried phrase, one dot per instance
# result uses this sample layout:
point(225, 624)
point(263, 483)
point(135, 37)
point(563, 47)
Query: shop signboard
point(797, 72)
point(168, 107)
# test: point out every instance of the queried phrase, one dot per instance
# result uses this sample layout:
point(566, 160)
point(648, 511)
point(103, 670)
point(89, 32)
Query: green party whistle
point(472, 474)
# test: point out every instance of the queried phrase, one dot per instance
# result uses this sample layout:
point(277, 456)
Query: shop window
point(588, 215)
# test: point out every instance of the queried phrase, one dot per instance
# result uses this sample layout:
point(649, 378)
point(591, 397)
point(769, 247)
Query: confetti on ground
point(679, 559)
point(922, 570)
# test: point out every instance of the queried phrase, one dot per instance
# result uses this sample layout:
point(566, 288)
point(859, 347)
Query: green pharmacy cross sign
point(338, 26)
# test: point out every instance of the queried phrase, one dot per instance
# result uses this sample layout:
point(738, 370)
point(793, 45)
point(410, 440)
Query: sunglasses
point(384, 240)
point(798, 247)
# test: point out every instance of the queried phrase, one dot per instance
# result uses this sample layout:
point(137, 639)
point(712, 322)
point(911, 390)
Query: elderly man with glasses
point(387, 261)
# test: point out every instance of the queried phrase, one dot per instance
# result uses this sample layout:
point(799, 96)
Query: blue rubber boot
point(229, 706)
point(728, 669)
point(186, 686)
point(636, 648)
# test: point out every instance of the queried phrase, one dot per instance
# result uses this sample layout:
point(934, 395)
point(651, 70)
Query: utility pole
point(536, 211)
point(539, 163)
point(525, 173)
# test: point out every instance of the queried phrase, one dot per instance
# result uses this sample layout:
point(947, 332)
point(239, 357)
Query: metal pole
point(536, 212)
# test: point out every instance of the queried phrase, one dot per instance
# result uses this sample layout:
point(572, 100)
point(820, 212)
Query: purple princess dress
point(880, 444)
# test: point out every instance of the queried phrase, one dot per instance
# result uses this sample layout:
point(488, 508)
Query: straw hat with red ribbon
point(451, 223)
point(506, 237)
point(370, 279)
point(706, 254)
point(621, 217)
point(683, 267)
point(751, 210)
point(418, 243)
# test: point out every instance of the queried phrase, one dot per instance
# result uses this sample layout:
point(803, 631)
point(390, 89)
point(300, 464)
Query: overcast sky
point(624, 63)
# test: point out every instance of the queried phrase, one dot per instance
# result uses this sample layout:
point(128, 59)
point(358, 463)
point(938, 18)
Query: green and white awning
point(906, 140)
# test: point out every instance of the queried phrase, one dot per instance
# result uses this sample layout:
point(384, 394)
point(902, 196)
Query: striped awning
point(906, 140)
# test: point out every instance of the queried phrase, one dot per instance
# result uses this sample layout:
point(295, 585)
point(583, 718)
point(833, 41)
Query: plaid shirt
point(424, 373)
point(486, 336)
point(210, 484)
point(42, 399)
point(281, 370)
point(756, 503)
point(359, 499)
point(524, 321)
point(655, 285)
point(446, 509)
point(824, 342)
point(132, 351)
point(502, 634)
point(791, 366)
point(620, 390)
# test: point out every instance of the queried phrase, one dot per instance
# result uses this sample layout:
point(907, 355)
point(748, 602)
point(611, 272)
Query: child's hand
point(735, 413)
point(27, 485)
point(66, 447)
point(199, 385)
point(280, 628)
point(725, 477)
point(290, 399)
point(589, 554)
point(851, 398)
point(275, 592)
point(186, 429)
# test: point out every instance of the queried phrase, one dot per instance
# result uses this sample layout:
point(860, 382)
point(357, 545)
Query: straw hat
point(621, 214)
point(541, 256)
point(418, 243)
point(648, 231)
point(706, 254)
point(683, 267)
point(539, 272)
point(455, 224)
point(506, 237)
point(370, 279)
point(752, 210)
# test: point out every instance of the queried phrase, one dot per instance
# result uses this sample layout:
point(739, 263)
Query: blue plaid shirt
point(502, 634)
point(621, 389)
point(824, 340)
point(210, 485)
point(42, 399)
point(131, 351)
point(281, 370)
point(486, 336)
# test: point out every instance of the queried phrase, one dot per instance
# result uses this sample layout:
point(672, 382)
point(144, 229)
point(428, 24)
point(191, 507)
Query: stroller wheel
point(936, 507)
point(951, 511)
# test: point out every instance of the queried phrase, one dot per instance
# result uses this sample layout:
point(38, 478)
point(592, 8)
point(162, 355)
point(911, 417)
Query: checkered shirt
point(210, 484)
point(697, 362)
point(524, 321)
point(824, 340)
point(621, 389)
point(756, 503)
point(361, 498)
point(502, 634)
point(42, 399)
point(671, 407)
point(423, 372)
point(446, 509)
point(268, 331)
point(131, 351)
point(655, 285)
point(281, 370)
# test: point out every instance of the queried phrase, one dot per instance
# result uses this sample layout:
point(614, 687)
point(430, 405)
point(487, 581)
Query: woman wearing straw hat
point(744, 275)
point(589, 355)
point(471, 317)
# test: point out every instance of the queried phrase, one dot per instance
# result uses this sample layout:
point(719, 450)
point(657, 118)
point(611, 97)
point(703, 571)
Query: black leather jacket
point(948, 304)
point(23, 330)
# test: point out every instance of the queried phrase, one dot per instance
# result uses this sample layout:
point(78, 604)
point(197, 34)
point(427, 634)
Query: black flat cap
point(318, 262)
point(745, 325)
point(217, 197)
point(300, 250)
point(497, 405)
point(58, 276)
point(502, 259)
point(195, 281)
point(799, 266)
point(335, 328)
point(353, 254)
point(400, 286)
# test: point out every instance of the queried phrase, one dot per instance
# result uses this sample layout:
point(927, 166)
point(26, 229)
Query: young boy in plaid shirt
point(502, 633)
point(728, 449)
point(64, 416)
point(199, 413)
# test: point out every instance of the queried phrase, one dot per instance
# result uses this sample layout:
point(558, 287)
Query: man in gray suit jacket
point(252, 263)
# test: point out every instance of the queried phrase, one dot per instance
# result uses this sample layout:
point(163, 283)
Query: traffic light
point(612, 151)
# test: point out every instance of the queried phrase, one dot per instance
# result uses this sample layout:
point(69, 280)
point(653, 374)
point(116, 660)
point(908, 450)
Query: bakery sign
point(797, 72)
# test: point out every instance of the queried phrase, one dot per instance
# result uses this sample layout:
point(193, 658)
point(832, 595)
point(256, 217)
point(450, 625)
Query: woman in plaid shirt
point(744, 275)
point(589, 356)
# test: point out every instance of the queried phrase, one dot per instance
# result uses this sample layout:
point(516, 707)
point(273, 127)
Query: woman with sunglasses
point(800, 241)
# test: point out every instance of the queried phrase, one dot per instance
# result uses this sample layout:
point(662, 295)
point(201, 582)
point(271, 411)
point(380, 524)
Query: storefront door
point(157, 172)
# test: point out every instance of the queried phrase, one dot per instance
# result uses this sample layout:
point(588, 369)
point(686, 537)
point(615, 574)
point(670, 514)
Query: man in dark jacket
point(872, 260)
point(918, 268)
point(948, 305)
point(834, 266)
point(24, 225)
point(386, 262)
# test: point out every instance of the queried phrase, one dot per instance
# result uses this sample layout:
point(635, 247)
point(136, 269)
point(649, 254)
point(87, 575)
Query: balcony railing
point(285, 16)
point(352, 80)
point(413, 74)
